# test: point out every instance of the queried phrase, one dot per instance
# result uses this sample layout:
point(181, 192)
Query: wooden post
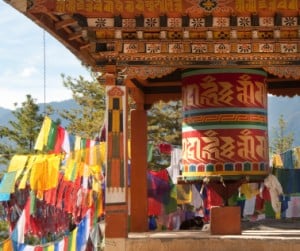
point(138, 179)
point(116, 192)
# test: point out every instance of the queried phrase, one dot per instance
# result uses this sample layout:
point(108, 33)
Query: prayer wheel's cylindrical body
point(225, 129)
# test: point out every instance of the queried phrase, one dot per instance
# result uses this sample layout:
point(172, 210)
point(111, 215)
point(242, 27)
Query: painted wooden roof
point(149, 42)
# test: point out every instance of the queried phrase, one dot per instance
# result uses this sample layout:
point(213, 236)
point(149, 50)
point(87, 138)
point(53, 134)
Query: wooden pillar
point(138, 179)
point(116, 192)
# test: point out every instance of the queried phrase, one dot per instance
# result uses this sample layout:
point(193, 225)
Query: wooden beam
point(84, 46)
point(64, 23)
point(75, 35)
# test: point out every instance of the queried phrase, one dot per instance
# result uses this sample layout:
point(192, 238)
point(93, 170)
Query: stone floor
point(269, 224)
point(261, 235)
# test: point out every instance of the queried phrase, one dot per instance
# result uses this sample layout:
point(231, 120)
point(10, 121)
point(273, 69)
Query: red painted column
point(138, 176)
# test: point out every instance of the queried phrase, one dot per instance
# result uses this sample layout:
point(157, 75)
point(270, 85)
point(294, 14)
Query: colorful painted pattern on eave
point(193, 7)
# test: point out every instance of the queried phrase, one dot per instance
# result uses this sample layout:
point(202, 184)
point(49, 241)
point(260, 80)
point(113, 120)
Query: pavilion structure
point(220, 57)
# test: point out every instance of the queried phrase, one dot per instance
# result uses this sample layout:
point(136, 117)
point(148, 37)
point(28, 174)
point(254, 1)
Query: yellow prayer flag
point(7, 245)
point(23, 181)
point(72, 240)
point(77, 144)
point(42, 138)
point(36, 176)
point(17, 164)
point(49, 248)
point(71, 170)
point(277, 161)
point(52, 172)
point(102, 153)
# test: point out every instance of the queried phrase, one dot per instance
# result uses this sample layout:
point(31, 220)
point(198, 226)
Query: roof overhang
point(150, 44)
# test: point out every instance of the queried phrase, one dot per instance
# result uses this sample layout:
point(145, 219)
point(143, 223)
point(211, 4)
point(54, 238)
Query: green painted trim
point(188, 128)
point(221, 110)
point(189, 73)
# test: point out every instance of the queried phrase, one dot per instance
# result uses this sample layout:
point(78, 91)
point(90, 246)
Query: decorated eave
point(150, 42)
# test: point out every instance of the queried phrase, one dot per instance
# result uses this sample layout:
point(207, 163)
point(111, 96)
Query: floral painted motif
point(153, 48)
point(129, 23)
point(208, 5)
point(199, 48)
point(289, 21)
point(151, 22)
point(267, 47)
point(266, 21)
point(100, 22)
point(174, 22)
point(130, 48)
point(197, 22)
point(175, 48)
point(244, 48)
point(222, 48)
point(222, 34)
point(288, 48)
point(174, 35)
point(221, 21)
point(244, 21)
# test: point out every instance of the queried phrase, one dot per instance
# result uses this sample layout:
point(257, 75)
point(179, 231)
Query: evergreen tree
point(87, 120)
point(283, 141)
point(164, 122)
point(164, 126)
point(20, 136)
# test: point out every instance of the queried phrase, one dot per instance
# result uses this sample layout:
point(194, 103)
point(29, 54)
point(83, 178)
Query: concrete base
point(225, 220)
point(275, 240)
point(115, 244)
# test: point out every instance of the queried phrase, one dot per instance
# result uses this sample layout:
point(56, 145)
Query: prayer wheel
point(225, 129)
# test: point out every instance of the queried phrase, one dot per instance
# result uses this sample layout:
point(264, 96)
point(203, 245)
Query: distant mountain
point(6, 114)
point(60, 106)
point(288, 107)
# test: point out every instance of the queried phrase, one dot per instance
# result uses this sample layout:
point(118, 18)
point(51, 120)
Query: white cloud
point(28, 72)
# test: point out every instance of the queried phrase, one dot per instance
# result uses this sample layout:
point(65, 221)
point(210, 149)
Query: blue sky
point(22, 61)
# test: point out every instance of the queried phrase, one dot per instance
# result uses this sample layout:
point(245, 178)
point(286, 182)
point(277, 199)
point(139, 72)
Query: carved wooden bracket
point(284, 71)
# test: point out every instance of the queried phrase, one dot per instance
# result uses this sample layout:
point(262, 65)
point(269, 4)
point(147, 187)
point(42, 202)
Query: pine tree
point(20, 136)
point(164, 123)
point(87, 120)
point(164, 126)
point(283, 141)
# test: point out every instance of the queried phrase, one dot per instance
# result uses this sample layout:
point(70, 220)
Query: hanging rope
point(44, 70)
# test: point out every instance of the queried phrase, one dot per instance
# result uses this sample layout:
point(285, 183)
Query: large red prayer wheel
point(225, 129)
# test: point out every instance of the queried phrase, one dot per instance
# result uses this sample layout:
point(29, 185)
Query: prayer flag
point(42, 138)
point(72, 240)
point(59, 139)
point(19, 231)
point(59, 246)
point(7, 245)
point(66, 143)
point(83, 231)
point(17, 163)
point(52, 136)
point(7, 185)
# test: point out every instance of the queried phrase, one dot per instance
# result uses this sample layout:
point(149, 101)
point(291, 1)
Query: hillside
point(288, 107)
point(6, 114)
